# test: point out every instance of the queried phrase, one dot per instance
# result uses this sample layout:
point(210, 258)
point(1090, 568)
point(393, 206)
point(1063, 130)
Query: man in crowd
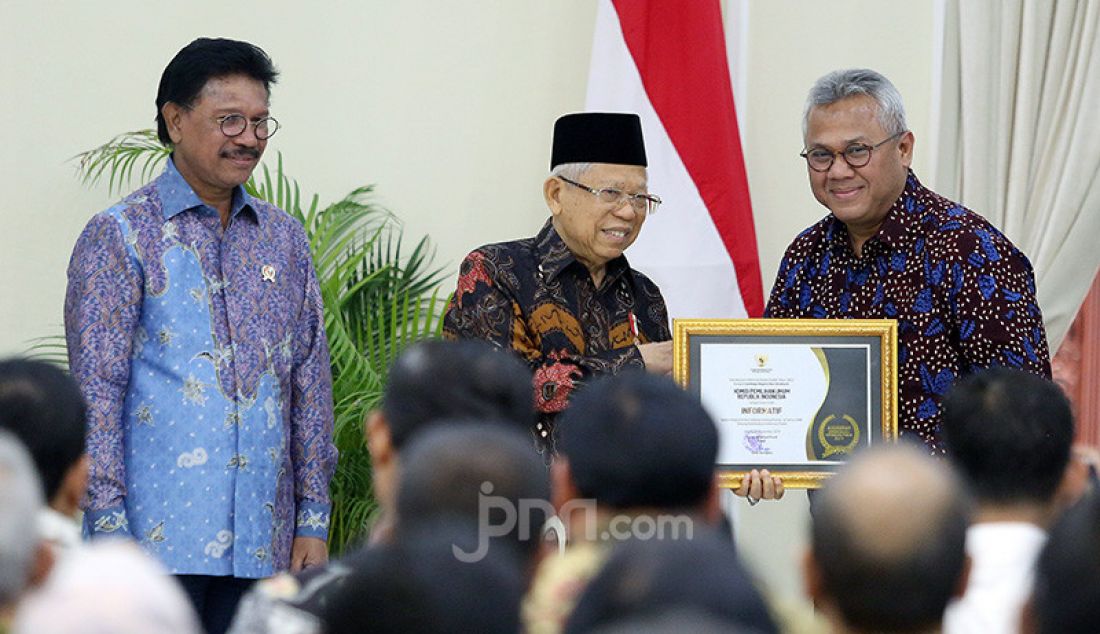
point(432, 384)
point(436, 381)
point(108, 586)
point(42, 406)
point(195, 330)
point(963, 295)
point(633, 449)
point(1066, 598)
point(690, 577)
point(481, 475)
point(567, 300)
point(887, 548)
point(24, 557)
point(1009, 434)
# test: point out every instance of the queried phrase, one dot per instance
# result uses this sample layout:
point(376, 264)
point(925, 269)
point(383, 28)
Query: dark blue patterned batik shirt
point(963, 296)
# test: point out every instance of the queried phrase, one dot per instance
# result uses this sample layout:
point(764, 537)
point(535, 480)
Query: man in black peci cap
point(566, 300)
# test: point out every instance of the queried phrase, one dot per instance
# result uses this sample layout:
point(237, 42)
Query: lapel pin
point(268, 273)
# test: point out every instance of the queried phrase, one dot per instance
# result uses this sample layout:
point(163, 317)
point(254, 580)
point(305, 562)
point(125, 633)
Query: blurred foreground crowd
point(623, 533)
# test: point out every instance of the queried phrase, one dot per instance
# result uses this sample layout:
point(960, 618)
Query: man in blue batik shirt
point(195, 329)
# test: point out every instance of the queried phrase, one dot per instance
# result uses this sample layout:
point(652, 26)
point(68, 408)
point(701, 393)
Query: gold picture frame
point(763, 379)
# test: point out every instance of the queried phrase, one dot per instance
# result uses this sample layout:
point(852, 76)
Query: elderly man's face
point(211, 162)
point(594, 231)
point(859, 197)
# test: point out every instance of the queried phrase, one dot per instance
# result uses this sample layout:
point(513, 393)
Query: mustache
point(245, 152)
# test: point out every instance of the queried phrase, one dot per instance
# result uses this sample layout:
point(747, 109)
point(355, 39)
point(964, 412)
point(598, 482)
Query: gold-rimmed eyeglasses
point(612, 196)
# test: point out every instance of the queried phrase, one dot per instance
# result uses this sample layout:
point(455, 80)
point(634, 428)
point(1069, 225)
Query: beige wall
point(446, 106)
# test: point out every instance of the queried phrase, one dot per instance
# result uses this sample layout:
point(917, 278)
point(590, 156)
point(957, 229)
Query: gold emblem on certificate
point(836, 435)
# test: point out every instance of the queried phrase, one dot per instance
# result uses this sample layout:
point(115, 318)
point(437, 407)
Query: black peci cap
point(598, 137)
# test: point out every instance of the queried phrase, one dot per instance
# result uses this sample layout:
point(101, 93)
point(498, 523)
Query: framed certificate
point(795, 396)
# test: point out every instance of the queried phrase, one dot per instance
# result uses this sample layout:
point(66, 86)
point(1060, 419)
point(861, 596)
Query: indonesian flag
point(666, 60)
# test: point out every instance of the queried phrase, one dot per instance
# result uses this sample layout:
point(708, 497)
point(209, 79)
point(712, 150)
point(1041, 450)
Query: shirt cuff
point(108, 522)
point(312, 519)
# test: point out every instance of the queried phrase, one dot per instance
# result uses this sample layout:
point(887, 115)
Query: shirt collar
point(553, 256)
point(896, 227)
point(177, 196)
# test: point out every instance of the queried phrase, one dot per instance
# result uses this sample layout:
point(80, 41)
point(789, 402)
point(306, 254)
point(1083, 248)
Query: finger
point(754, 485)
point(767, 485)
point(743, 490)
point(779, 490)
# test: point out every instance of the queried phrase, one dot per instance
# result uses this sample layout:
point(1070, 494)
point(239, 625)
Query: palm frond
point(119, 157)
point(50, 349)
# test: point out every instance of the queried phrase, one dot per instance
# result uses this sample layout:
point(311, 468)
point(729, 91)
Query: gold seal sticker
point(838, 435)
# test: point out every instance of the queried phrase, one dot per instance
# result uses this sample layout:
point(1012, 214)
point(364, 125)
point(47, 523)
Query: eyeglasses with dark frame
point(642, 203)
point(855, 155)
point(235, 124)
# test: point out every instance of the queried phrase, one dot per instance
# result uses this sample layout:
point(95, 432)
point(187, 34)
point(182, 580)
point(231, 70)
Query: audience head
point(418, 585)
point(20, 501)
point(676, 621)
point(485, 477)
point(1009, 433)
point(645, 579)
point(434, 381)
point(888, 542)
point(185, 77)
point(637, 440)
point(108, 586)
point(1066, 595)
point(42, 406)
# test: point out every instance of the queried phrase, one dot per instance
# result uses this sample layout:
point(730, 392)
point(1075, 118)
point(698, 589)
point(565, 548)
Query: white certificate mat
point(764, 398)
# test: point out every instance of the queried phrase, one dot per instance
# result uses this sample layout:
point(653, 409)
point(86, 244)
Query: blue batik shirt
point(201, 354)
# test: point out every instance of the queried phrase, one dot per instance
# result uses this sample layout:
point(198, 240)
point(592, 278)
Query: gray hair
point(851, 82)
point(21, 501)
point(572, 171)
point(109, 585)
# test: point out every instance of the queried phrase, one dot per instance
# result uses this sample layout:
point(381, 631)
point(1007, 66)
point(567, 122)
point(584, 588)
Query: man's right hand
point(657, 356)
point(760, 485)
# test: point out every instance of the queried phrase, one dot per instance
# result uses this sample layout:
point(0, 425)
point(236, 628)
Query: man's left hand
point(307, 552)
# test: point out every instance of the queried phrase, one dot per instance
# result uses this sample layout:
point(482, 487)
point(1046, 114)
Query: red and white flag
point(666, 60)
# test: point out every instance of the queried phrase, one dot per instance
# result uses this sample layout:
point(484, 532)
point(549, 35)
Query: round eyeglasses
point(235, 124)
point(611, 196)
point(855, 155)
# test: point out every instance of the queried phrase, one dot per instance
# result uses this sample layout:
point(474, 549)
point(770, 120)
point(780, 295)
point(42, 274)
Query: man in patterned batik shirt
point(566, 300)
point(195, 329)
point(962, 294)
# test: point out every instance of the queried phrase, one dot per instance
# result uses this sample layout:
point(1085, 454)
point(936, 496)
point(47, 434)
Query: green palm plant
point(378, 299)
